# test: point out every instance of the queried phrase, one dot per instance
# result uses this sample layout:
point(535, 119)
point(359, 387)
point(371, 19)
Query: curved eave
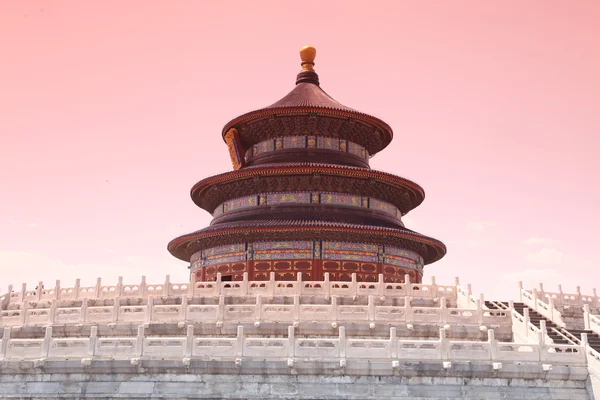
point(307, 169)
point(264, 113)
point(185, 246)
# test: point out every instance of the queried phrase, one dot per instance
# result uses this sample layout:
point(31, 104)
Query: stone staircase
point(558, 334)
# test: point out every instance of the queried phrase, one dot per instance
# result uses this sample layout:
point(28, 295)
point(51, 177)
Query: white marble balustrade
point(231, 288)
point(339, 347)
point(534, 300)
point(254, 309)
point(563, 299)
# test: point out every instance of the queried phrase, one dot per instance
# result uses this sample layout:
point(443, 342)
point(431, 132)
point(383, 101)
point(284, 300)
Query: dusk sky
point(110, 111)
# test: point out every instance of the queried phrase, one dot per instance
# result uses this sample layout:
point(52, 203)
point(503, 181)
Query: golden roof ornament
point(307, 55)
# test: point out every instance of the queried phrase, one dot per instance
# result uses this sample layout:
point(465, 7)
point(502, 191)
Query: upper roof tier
point(309, 110)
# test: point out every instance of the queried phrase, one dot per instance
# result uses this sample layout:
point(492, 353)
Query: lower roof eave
point(185, 246)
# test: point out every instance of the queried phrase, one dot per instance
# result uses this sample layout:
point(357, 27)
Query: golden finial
point(307, 55)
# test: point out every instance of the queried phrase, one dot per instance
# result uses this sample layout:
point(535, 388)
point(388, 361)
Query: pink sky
point(110, 111)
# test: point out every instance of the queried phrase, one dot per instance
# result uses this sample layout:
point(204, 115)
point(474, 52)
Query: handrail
point(219, 287)
point(339, 347)
point(547, 310)
point(561, 298)
point(251, 309)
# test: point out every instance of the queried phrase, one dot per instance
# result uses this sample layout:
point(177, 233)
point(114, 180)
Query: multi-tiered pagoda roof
point(303, 199)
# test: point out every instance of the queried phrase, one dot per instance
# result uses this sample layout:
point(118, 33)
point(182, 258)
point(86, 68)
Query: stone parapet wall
point(340, 347)
point(244, 287)
point(256, 309)
point(276, 380)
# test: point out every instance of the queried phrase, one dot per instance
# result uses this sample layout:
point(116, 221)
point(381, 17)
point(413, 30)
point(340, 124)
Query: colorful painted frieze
point(328, 143)
point(294, 142)
point(340, 199)
point(356, 149)
point(240, 202)
point(282, 245)
point(283, 255)
point(218, 211)
point(400, 261)
point(264, 147)
point(379, 205)
point(364, 247)
point(342, 256)
point(288, 198)
point(230, 248)
point(223, 259)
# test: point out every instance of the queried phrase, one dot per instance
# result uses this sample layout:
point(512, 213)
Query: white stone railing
point(561, 298)
point(547, 310)
point(522, 327)
point(261, 310)
point(590, 321)
point(465, 298)
point(230, 288)
point(240, 347)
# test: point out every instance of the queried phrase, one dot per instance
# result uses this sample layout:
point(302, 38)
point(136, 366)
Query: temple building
point(306, 285)
point(302, 199)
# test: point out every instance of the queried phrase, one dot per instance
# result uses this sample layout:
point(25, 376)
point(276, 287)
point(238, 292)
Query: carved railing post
point(326, 284)
point(434, 287)
point(479, 312)
point(167, 286)
point(47, 342)
point(221, 308)
point(57, 289)
point(92, 341)
point(119, 291)
point(184, 308)
point(239, 343)
point(291, 351)
point(393, 343)
point(342, 341)
point(149, 308)
point(189, 341)
point(526, 320)
point(244, 284)
point(40, 289)
point(443, 310)
point(83, 310)
point(258, 308)
point(296, 315)
point(115, 309)
point(493, 343)
point(139, 342)
point(76, 288)
point(98, 288)
point(380, 285)
point(520, 291)
point(23, 292)
point(24, 312)
point(218, 285)
point(371, 308)
point(142, 288)
point(52, 313)
point(444, 345)
point(408, 309)
point(334, 310)
point(543, 330)
point(4, 343)
point(586, 316)
point(271, 283)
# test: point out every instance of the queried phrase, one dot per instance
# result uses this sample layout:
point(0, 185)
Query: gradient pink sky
point(110, 111)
